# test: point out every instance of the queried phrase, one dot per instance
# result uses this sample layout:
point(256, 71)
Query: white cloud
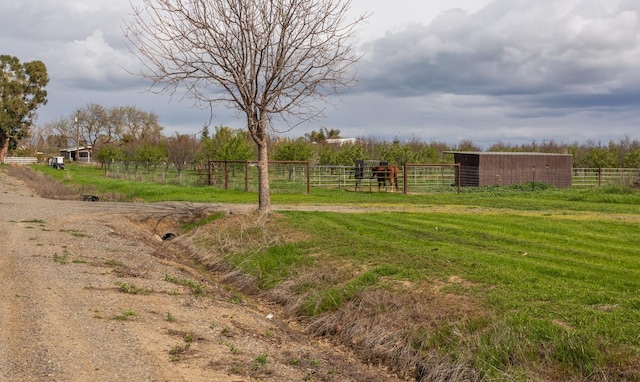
point(91, 63)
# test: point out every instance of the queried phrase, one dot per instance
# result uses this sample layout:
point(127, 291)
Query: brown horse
point(385, 174)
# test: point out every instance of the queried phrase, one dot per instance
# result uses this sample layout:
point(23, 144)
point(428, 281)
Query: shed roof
point(81, 148)
point(503, 153)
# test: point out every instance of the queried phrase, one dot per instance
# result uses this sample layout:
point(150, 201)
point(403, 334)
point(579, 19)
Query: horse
point(385, 174)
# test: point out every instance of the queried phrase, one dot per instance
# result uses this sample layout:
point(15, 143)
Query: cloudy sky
point(504, 70)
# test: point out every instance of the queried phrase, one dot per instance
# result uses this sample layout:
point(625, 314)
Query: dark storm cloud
point(528, 53)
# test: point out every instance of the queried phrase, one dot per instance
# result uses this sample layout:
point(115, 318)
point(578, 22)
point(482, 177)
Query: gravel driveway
point(84, 296)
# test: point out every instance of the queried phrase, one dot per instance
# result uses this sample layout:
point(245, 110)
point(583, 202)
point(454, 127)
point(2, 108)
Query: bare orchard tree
point(265, 58)
point(181, 151)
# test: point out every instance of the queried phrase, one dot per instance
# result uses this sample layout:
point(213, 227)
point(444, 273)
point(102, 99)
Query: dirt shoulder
point(85, 296)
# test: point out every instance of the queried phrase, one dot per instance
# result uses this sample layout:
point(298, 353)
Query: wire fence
point(597, 177)
point(301, 177)
point(284, 177)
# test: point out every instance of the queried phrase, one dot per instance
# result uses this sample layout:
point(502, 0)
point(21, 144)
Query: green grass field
point(489, 284)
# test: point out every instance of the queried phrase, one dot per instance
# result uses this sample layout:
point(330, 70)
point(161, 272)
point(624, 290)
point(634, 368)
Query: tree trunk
point(4, 149)
point(264, 197)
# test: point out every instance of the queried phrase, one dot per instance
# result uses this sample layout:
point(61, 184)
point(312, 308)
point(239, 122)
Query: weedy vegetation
point(196, 288)
point(124, 316)
point(233, 349)
point(75, 233)
point(259, 361)
point(41, 182)
point(189, 226)
point(131, 289)
point(34, 221)
point(226, 331)
point(179, 350)
point(114, 263)
point(61, 259)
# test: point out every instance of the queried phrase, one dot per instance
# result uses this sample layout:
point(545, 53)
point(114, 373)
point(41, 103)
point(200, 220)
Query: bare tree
point(265, 58)
point(137, 124)
point(92, 123)
point(181, 151)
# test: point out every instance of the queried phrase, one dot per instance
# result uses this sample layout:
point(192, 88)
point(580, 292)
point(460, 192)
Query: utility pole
point(77, 136)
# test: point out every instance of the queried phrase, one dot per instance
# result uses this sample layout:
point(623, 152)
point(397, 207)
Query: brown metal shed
point(504, 168)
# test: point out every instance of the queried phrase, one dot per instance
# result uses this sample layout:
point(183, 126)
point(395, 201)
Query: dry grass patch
point(42, 184)
point(398, 328)
point(237, 233)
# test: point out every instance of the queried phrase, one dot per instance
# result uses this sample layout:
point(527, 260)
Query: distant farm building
point(84, 153)
point(342, 141)
point(503, 168)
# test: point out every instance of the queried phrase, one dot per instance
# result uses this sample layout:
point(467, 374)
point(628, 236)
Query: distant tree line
point(590, 154)
point(128, 134)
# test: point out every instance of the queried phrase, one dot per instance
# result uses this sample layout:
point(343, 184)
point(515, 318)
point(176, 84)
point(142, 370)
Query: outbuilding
point(84, 154)
point(504, 168)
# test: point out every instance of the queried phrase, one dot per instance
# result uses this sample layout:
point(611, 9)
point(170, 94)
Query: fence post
point(246, 176)
point(405, 182)
point(533, 184)
point(599, 176)
point(308, 178)
point(459, 169)
point(226, 175)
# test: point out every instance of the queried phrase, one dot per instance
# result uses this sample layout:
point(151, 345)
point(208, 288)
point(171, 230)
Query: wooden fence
point(20, 160)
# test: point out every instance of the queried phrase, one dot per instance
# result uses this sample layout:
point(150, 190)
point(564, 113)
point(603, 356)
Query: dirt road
point(84, 296)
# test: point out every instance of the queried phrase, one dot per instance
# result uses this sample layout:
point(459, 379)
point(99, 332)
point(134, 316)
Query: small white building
point(85, 154)
point(342, 141)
